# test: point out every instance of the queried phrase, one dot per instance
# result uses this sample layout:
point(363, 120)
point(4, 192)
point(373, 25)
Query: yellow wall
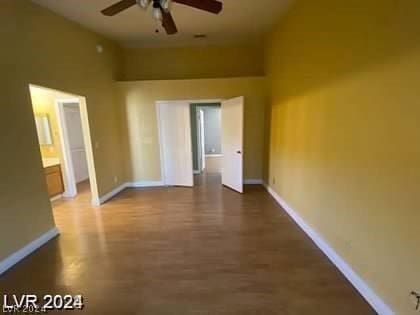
point(345, 133)
point(344, 121)
point(43, 103)
point(195, 62)
point(141, 123)
point(42, 48)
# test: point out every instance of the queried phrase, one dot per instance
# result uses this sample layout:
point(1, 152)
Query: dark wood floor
point(206, 250)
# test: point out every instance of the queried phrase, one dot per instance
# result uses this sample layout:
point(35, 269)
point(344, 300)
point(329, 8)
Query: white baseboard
point(95, 202)
point(120, 188)
point(253, 182)
point(13, 259)
point(145, 184)
point(56, 198)
point(81, 180)
point(111, 194)
point(371, 297)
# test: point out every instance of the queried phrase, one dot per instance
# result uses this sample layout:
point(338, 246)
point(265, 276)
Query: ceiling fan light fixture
point(157, 14)
point(166, 5)
point(144, 4)
point(161, 10)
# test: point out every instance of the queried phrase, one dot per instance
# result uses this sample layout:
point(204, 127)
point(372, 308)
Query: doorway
point(206, 126)
point(201, 137)
point(65, 143)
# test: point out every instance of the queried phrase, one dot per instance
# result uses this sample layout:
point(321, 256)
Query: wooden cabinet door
point(54, 181)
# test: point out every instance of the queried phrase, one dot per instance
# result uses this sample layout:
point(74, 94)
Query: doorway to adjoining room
point(65, 145)
point(201, 138)
point(206, 126)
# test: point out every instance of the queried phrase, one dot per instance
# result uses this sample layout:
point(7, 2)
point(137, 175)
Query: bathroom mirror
point(43, 129)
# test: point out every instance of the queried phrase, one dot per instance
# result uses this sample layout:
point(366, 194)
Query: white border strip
point(109, 195)
point(56, 198)
point(371, 297)
point(13, 259)
point(145, 184)
point(120, 188)
point(253, 182)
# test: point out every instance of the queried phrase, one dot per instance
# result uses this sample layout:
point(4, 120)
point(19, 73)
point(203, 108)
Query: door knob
point(239, 152)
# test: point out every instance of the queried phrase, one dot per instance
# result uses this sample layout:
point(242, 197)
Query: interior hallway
point(206, 250)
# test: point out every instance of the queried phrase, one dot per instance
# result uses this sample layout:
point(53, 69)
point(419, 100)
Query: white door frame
point(160, 137)
point(232, 166)
point(68, 168)
point(197, 143)
point(202, 140)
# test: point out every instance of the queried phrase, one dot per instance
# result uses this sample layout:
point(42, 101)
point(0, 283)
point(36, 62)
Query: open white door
point(73, 125)
point(232, 143)
point(175, 142)
point(201, 149)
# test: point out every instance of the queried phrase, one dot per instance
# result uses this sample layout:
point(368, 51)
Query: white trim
point(13, 259)
point(117, 190)
point(202, 139)
point(69, 178)
point(161, 151)
point(203, 101)
point(89, 149)
point(96, 202)
point(56, 198)
point(371, 297)
point(145, 184)
point(213, 155)
point(70, 188)
point(83, 179)
point(253, 182)
point(196, 172)
point(109, 195)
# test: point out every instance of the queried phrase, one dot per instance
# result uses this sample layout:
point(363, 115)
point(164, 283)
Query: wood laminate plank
point(206, 250)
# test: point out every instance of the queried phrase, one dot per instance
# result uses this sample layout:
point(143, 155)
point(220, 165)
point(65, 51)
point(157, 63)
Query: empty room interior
point(210, 157)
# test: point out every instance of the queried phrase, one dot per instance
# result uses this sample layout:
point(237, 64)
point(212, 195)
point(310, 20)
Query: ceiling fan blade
point(118, 7)
point(168, 23)
point(212, 6)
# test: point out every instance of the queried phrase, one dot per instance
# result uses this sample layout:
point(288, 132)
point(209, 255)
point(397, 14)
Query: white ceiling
point(240, 21)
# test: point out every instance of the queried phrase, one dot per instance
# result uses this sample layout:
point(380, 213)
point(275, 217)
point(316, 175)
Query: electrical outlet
point(115, 179)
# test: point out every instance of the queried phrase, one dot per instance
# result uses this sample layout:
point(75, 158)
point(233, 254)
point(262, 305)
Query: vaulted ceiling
point(240, 21)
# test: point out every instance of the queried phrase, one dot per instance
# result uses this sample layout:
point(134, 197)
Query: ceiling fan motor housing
point(161, 9)
point(166, 5)
point(157, 4)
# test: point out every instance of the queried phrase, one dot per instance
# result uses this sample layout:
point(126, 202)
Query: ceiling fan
point(162, 9)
